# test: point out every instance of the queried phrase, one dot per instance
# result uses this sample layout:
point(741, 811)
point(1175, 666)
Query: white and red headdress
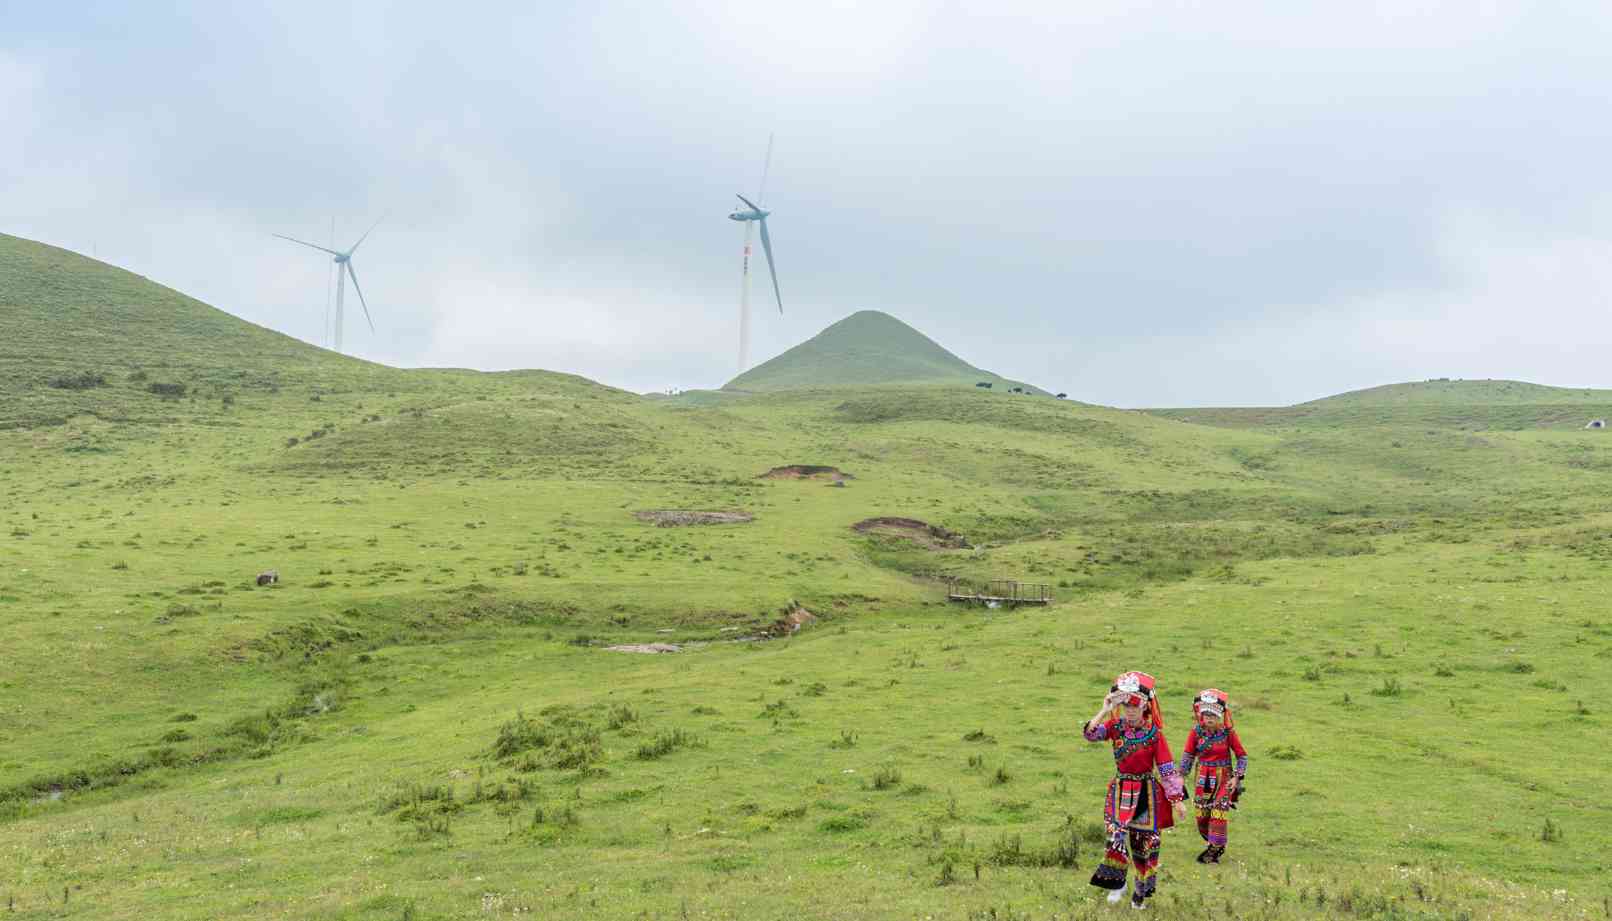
point(1139, 690)
point(1212, 701)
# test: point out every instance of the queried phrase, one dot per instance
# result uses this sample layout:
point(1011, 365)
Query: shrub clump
point(665, 743)
point(565, 742)
point(84, 380)
point(167, 391)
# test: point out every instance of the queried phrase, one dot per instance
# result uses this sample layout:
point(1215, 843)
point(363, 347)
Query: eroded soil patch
point(793, 619)
point(680, 518)
point(928, 535)
point(651, 648)
point(806, 472)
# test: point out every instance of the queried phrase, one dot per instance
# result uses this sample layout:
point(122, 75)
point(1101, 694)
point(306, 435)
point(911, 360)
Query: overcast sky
point(1139, 204)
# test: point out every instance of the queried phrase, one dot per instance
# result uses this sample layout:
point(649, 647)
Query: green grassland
point(421, 720)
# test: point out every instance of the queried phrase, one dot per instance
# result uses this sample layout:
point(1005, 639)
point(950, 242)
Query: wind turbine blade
point(749, 202)
point(306, 243)
point(766, 245)
point(765, 169)
point(349, 265)
point(361, 239)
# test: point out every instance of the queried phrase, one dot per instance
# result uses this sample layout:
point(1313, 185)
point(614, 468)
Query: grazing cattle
point(985, 384)
point(268, 578)
point(1063, 396)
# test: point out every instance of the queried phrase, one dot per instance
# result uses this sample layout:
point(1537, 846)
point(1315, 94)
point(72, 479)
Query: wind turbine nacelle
point(748, 215)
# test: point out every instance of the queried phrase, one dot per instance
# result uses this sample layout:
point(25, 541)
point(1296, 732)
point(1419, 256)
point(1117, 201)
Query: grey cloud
point(1170, 204)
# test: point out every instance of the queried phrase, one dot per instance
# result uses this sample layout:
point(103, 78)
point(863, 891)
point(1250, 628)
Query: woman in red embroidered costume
point(1135, 810)
point(1212, 743)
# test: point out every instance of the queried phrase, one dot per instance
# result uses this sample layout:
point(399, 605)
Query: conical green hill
point(866, 348)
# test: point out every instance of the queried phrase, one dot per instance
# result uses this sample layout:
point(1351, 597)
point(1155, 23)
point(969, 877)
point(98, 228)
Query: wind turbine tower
point(344, 270)
point(756, 215)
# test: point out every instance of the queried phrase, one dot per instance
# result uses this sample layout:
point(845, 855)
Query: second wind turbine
point(751, 217)
point(344, 270)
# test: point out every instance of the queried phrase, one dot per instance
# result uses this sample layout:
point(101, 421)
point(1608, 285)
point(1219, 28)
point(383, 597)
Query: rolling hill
point(1473, 405)
point(868, 347)
point(422, 718)
point(81, 336)
point(1464, 392)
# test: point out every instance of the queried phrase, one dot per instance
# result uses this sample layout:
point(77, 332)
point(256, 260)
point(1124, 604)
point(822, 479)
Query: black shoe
point(1138, 902)
point(1203, 856)
point(1214, 854)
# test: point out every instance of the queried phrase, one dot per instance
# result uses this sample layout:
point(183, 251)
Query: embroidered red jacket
point(1138, 750)
point(1213, 753)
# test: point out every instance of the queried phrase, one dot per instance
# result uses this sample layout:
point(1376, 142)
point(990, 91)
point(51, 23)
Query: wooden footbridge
point(1000, 592)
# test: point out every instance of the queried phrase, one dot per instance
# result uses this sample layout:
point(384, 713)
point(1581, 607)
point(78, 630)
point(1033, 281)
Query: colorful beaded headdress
point(1212, 701)
point(1139, 691)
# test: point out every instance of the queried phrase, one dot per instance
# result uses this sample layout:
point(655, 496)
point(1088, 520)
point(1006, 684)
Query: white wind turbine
point(755, 215)
point(344, 269)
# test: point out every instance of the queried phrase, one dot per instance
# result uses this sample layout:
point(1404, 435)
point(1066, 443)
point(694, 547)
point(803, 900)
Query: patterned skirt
point(1215, 784)
point(1137, 801)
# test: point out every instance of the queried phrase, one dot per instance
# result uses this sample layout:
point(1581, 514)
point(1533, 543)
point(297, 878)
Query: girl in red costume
point(1212, 743)
point(1135, 809)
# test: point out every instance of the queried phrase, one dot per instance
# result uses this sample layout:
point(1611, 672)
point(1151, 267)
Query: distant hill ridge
point(868, 347)
point(1447, 390)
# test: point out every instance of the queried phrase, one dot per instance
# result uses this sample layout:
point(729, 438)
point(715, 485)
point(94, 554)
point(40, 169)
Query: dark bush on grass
point(166, 391)
point(1009, 851)
point(566, 742)
point(886, 777)
point(415, 800)
point(842, 823)
point(559, 816)
point(84, 380)
point(665, 743)
point(621, 715)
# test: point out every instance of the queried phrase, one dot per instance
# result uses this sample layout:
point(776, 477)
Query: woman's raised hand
point(1110, 701)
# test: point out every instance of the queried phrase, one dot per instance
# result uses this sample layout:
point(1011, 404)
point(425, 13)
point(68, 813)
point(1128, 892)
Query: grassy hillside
point(85, 337)
point(868, 347)
point(421, 719)
point(1465, 392)
point(1476, 406)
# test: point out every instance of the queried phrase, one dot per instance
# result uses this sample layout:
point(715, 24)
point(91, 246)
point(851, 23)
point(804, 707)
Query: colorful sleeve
point(1167, 770)
point(1096, 733)
point(1242, 756)
point(1189, 755)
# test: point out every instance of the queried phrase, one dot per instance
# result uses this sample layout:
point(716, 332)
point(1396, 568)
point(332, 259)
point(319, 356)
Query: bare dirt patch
point(791, 622)
point(923, 533)
point(682, 518)
point(651, 648)
point(806, 472)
